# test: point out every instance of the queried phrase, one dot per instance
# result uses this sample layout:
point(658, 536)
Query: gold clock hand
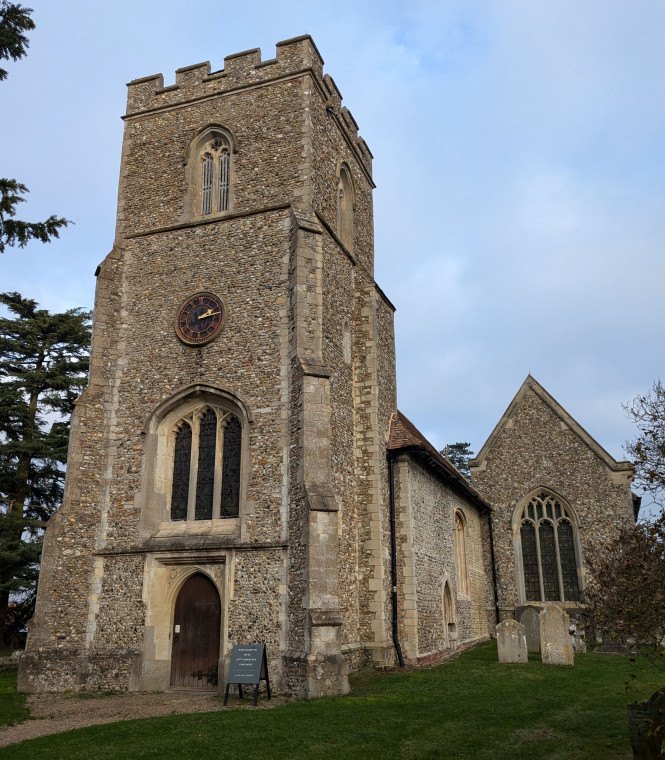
point(209, 313)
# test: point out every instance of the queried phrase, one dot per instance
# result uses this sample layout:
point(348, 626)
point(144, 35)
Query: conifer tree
point(459, 454)
point(15, 21)
point(43, 369)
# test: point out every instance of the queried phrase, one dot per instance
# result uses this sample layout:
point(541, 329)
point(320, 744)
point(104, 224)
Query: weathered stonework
point(304, 364)
point(537, 447)
point(438, 611)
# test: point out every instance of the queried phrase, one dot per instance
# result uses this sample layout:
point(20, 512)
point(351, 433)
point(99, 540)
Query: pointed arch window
point(206, 465)
point(345, 206)
point(215, 176)
point(550, 569)
point(209, 173)
point(460, 554)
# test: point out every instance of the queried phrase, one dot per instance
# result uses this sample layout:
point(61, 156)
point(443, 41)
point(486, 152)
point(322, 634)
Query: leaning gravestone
point(511, 642)
point(555, 644)
point(529, 619)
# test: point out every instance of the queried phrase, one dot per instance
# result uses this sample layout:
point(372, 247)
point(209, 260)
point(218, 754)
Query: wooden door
point(196, 623)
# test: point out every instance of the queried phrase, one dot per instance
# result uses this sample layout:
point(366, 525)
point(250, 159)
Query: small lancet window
point(549, 560)
point(231, 468)
point(460, 554)
point(224, 169)
point(207, 171)
point(181, 468)
point(345, 204)
point(205, 476)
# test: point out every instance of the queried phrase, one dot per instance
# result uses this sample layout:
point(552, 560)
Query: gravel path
point(55, 713)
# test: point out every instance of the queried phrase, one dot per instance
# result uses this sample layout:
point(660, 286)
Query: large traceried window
point(206, 465)
point(547, 540)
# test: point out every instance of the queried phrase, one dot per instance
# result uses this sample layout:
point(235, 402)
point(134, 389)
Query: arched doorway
point(196, 624)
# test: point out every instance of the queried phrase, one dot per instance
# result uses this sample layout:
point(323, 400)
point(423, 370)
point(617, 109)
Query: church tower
point(227, 478)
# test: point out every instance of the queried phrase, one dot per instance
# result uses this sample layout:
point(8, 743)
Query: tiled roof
point(404, 435)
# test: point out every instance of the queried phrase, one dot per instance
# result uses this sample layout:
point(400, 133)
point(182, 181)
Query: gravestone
point(577, 638)
point(555, 644)
point(511, 642)
point(529, 619)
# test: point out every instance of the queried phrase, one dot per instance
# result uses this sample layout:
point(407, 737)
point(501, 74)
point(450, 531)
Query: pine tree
point(14, 22)
point(459, 454)
point(43, 369)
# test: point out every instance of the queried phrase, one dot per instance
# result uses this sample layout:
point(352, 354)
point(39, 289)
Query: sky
point(519, 158)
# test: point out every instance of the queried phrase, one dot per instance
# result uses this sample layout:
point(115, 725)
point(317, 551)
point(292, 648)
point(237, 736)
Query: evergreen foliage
point(14, 22)
point(43, 367)
point(459, 454)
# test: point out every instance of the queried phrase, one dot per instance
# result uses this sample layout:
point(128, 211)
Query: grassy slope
point(468, 708)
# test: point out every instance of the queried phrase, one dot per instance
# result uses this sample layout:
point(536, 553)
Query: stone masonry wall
point(536, 449)
point(426, 553)
point(297, 306)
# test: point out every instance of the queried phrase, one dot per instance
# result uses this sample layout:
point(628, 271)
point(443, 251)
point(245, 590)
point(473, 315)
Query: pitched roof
point(404, 437)
point(531, 384)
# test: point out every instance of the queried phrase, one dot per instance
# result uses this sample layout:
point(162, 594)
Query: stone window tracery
point(209, 173)
point(206, 465)
point(547, 544)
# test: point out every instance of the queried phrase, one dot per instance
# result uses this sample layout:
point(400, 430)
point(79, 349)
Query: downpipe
point(393, 558)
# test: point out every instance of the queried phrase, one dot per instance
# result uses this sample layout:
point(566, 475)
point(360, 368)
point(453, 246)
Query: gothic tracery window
point(206, 465)
point(549, 559)
point(209, 173)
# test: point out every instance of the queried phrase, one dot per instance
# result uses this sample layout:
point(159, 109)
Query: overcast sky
point(519, 157)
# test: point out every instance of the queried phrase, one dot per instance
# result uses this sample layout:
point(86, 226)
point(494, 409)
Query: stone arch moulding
point(213, 138)
point(159, 434)
point(178, 397)
point(448, 613)
point(516, 522)
point(165, 574)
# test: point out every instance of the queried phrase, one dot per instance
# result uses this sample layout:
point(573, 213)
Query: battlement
point(240, 69)
point(247, 69)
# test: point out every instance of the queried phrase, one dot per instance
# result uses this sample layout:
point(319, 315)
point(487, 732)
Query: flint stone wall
point(533, 448)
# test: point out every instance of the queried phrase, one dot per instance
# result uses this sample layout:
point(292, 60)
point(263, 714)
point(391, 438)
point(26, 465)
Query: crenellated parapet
point(246, 69)
point(240, 70)
point(345, 120)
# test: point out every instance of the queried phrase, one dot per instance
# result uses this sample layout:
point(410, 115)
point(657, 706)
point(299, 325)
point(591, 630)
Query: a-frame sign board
point(249, 665)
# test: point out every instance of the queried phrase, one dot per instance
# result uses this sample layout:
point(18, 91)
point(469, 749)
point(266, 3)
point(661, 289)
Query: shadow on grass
point(471, 707)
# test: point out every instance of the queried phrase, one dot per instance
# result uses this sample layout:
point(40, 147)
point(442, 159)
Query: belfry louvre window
point(206, 466)
point(215, 177)
point(548, 551)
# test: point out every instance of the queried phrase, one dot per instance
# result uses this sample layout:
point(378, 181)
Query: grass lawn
point(12, 709)
point(471, 707)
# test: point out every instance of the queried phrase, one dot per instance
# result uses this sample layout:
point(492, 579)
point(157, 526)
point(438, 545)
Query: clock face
point(200, 319)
